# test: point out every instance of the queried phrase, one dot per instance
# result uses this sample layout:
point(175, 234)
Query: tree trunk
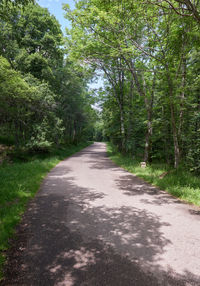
point(149, 105)
point(130, 115)
point(149, 108)
point(148, 137)
point(173, 123)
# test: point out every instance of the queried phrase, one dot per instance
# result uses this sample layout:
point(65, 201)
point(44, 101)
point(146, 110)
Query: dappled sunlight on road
point(94, 224)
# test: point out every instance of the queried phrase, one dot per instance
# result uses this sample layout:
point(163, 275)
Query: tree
point(7, 6)
point(36, 38)
point(154, 44)
point(183, 8)
point(39, 88)
point(27, 108)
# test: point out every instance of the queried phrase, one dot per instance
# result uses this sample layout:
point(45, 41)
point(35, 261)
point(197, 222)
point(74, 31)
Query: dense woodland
point(44, 98)
point(149, 54)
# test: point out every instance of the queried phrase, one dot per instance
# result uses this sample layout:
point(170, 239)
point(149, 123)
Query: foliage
point(27, 107)
point(148, 53)
point(7, 6)
point(17, 2)
point(39, 88)
point(31, 40)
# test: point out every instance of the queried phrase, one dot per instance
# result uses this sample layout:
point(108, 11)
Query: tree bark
point(173, 123)
point(149, 108)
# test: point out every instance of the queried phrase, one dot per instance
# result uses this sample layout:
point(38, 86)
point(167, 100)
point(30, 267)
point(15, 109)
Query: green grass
point(19, 181)
point(180, 183)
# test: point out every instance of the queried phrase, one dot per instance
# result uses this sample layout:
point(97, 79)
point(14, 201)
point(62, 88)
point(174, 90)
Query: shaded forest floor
point(180, 183)
point(20, 177)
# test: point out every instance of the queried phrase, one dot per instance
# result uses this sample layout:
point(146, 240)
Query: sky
point(55, 8)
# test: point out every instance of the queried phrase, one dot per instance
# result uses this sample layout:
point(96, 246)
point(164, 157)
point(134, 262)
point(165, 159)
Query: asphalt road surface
point(94, 224)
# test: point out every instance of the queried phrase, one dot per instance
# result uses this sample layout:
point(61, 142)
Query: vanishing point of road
point(94, 224)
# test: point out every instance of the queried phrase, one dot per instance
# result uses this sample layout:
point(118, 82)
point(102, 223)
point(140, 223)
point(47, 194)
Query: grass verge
point(180, 182)
point(19, 181)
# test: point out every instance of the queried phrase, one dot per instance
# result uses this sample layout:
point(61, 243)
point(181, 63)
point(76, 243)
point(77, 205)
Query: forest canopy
point(149, 54)
point(44, 95)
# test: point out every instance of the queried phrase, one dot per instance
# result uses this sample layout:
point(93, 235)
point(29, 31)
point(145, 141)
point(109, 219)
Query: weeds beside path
point(180, 183)
point(19, 181)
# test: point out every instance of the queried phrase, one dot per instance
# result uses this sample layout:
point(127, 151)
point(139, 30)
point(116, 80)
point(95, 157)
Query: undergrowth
point(180, 183)
point(19, 181)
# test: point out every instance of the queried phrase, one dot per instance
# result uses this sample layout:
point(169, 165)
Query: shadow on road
point(56, 249)
point(70, 237)
point(134, 186)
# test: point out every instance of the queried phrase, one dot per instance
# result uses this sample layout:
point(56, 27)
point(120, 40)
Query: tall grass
point(180, 183)
point(19, 181)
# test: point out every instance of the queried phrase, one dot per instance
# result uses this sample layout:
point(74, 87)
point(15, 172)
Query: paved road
point(94, 224)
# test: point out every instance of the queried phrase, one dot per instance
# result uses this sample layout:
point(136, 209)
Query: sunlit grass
point(180, 183)
point(19, 181)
